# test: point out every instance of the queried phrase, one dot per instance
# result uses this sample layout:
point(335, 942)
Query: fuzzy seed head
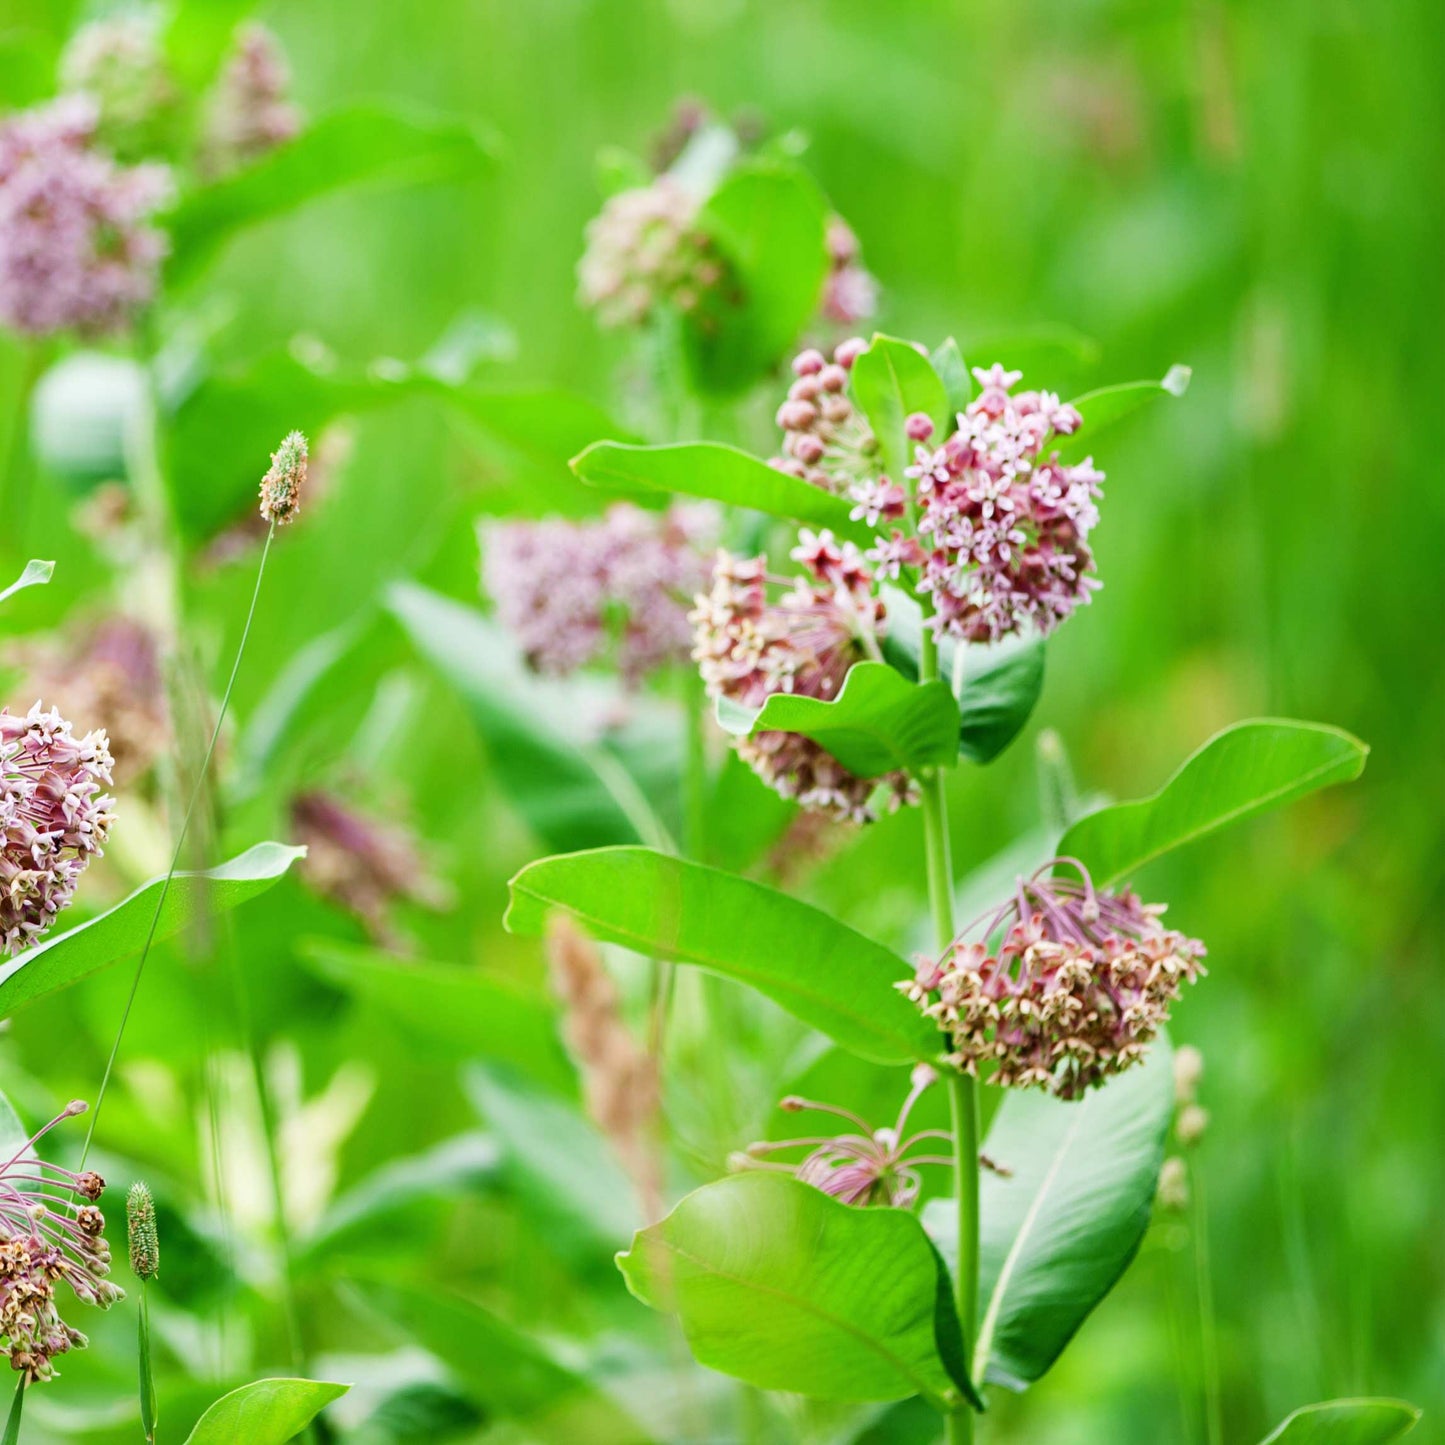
point(140, 1224)
point(282, 485)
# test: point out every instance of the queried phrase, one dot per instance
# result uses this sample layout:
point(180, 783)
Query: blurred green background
point(1253, 189)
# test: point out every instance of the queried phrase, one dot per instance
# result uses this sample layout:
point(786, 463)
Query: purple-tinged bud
point(281, 486)
point(797, 415)
point(808, 449)
point(919, 426)
point(809, 362)
point(847, 352)
point(833, 377)
point(805, 388)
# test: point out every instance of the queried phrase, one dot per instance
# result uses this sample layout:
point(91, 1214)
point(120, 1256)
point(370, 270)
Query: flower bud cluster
point(826, 440)
point(1079, 985)
point(251, 112)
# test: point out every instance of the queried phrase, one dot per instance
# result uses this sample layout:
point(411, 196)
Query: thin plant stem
point(17, 1406)
point(147, 1376)
point(1208, 1329)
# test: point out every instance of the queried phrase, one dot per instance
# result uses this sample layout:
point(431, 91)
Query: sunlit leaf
point(266, 1412)
point(35, 574)
point(719, 473)
point(1246, 769)
point(361, 145)
point(789, 1289)
point(890, 381)
point(1346, 1422)
point(745, 816)
point(1056, 1233)
point(1101, 409)
point(817, 968)
point(878, 722)
point(66, 958)
point(957, 380)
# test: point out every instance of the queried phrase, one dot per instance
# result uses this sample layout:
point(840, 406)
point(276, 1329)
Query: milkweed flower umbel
point(749, 647)
point(50, 1231)
point(1076, 989)
point(54, 818)
point(77, 251)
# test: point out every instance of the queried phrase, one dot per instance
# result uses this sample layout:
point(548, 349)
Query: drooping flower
point(1004, 522)
point(251, 111)
point(120, 63)
point(826, 440)
point(285, 480)
point(576, 593)
point(873, 1166)
point(1079, 985)
point(76, 250)
point(749, 647)
point(54, 817)
point(850, 292)
point(47, 1237)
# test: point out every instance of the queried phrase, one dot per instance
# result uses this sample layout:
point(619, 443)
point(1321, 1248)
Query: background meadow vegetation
point(1252, 189)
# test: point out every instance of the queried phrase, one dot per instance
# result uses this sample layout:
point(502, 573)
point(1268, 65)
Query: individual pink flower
point(77, 251)
point(1079, 985)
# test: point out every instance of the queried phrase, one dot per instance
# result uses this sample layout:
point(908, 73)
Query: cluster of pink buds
point(1079, 986)
point(252, 111)
point(76, 249)
point(47, 1237)
point(850, 292)
point(826, 440)
point(645, 252)
point(572, 593)
point(873, 1166)
point(54, 817)
point(749, 647)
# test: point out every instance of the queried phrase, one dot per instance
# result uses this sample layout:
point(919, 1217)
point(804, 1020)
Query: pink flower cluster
point(76, 251)
point(54, 817)
point(850, 292)
point(252, 111)
point(572, 592)
point(826, 440)
point(1080, 984)
point(644, 251)
point(1006, 526)
point(749, 647)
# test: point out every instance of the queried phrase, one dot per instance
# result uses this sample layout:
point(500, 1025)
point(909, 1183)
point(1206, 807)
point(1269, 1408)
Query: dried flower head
point(749, 647)
point(251, 111)
point(873, 1166)
point(1080, 984)
point(645, 252)
point(141, 1234)
point(120, 63)
point(850, 293)
point(54, 817)
point(577, 593)
point(46, 1237)
point(364, 863)
point(76, 252)
point(282, 485)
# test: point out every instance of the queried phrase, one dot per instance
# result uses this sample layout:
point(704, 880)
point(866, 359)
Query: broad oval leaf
point(957, 380)
point(66, 958)
point(721, 474)
point(1248, 768)
point(36, 573)
point(878, 722)
point(817, 968)
point(1056, 1235)
point(366, 144)
point(1101, 409)
point(1346, 1422)
point(576, 783)
point(783, 1286)
point(890, 381)
point(265, 1412)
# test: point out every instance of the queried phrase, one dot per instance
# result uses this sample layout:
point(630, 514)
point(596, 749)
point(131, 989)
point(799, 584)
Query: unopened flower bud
point(1192, 1123)
point(792, 1104)
point(808, 363)
point(847, 352)
point(282, 484)
point(919, 426)
point(140, 1219)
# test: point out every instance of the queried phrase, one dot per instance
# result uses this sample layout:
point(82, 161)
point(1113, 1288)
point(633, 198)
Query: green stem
point(147, 1377)
point(17, 1406)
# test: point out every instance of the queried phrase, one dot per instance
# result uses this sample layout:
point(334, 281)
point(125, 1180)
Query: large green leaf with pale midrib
point(66, 958)
point(1346, 1422)
point(890, 381)
point(718, 473)
point(1247, 769)
point(878, 722)
point(785, 1287)
point(265, 1412)
point(1109, 405)
point(814, 966)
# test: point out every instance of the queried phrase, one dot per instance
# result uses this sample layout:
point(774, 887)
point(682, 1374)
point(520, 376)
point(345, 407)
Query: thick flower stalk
point(749, 647)
point(50, 1232)
point(873, 1166)
point(1075, 991)
point(251, 111)
point(77, 251)
point(579, 593)
point(54, 817)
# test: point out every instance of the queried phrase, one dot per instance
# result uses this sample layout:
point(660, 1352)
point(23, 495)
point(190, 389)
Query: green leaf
point(878, 722)
point(36, 572)
point(1101, 409)
point(266, 1412)
point(1058, 1233)
point(366, 144)
point(957, 380)
point(17, 1409)
point(1346, 1422)
point(890, 381)
point(779, 1284)
point(1246, 769)
point(721, 474)
point(745, 816)
point(501, 1369)
point(576, 782)
point(454, 1011)
point(815, 967)
point(768, 219)
point(66, 958)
